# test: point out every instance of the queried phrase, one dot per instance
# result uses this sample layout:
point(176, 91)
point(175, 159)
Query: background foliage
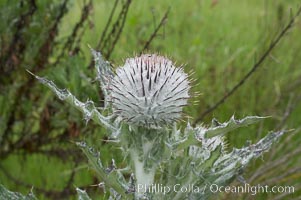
point(217, 40)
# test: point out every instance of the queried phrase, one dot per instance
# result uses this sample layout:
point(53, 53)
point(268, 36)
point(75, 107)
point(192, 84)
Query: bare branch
point(155, 33)
point(117, 29)
point(108, 41)
point(107, 25)
point(6, 61)
point(86, 10)
point(47, 47)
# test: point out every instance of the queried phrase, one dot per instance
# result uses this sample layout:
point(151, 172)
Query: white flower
point(149, 91)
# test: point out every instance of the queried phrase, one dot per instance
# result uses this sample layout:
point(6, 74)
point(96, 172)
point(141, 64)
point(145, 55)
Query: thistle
point(144, 98)
point(149, 91)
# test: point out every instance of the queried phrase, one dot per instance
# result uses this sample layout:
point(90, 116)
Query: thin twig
point(86, 10)
point(154, 34)
point(280, 176)
point(16, 43)
point(253, 69)
point(103, 34)
point(289, 109)
point(117, 27)
point(108, 41)
point(264, 169)
point(44, 52)
point(288, 195)
point(47, 47)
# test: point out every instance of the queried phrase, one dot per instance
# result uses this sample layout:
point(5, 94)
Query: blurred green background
point(218, 41)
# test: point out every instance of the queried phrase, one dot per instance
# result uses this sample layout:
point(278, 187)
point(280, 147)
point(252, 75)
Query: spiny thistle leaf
point(208, 137)
point(82, 194)
point(230, 164)
point(219, 168)
point(178, 143)
point(6, 194)
point(214, 155)
point(112, 179)
point(222, 128)
point(88, 108)
point(114, 195)
point(104, 74)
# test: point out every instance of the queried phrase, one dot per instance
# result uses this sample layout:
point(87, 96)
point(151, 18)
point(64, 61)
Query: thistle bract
point(149, 91)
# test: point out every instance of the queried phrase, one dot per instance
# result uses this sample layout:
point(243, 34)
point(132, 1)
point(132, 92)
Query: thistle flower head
point(149, 91)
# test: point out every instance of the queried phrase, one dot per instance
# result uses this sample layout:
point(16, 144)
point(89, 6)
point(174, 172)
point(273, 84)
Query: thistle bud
point(149, 91)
